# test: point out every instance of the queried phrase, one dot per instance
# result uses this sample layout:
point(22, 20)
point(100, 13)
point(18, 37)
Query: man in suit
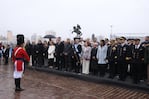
point(6, 54)
point(39, 52)
point(93, 60)
point(59, 53)
point(67, 54)
point(28, 49)
point(146, 59)
point(34, 54)
point(112, 58)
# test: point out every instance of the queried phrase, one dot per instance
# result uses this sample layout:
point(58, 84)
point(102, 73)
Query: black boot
point(17, 82)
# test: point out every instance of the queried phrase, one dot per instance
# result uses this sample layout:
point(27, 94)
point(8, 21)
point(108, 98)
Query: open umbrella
point(49, 36)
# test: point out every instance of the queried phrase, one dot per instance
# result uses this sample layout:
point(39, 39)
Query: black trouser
point(118, 68)
point(76, 65)
point(59, 62)
point(67, 62)
point(6, 60)
point(130, 72)
point(34, 60)
point(93, 67)
point(40, 60)
point(17, 83)
point(144, 71)
point(136, 72)
point(123, 70)
point(95, 71)
point(51, 62)
point(112, 69)
point(102, 69)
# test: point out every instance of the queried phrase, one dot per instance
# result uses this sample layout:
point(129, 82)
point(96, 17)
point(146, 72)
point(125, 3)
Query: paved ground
point(40, 85)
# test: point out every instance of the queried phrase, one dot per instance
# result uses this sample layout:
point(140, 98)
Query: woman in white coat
point(101, 56)
point(51, 51)
point(86, 54)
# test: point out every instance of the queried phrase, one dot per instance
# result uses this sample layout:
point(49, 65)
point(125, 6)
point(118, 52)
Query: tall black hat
point(20, 39)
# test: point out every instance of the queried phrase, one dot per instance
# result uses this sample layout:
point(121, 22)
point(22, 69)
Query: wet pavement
point(40, 85)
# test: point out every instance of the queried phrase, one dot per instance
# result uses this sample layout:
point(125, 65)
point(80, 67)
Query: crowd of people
point(118, 57)
point(5, 53)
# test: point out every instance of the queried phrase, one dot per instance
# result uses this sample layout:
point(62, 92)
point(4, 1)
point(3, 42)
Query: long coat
point(51, 51)
point(86, 53)
point(102, 54)
point(28, 49)
point(146, 58)
point(93, 61)
point(124, 53)
point(59, 48)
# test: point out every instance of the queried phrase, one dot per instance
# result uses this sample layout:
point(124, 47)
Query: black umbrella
point(49, 36)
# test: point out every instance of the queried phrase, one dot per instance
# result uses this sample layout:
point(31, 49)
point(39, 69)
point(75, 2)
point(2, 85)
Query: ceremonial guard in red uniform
point(19, 57)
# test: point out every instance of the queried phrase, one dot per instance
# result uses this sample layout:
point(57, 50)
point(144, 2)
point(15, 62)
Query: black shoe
point(102, 75)
point(19, 89)
point(111, 77)
point(147, 84)
point(135, 82)
point(120, 79)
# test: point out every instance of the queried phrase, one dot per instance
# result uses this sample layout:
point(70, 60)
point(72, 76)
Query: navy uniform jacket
point(138, 54)
point(124, 53)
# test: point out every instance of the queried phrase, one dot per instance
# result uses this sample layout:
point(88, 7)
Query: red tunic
point(19, 56)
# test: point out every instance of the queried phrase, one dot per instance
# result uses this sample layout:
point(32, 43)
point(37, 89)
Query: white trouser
point(18, 74)
point(85, 66)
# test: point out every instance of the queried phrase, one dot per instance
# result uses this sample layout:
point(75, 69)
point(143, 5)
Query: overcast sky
point(94, 16)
